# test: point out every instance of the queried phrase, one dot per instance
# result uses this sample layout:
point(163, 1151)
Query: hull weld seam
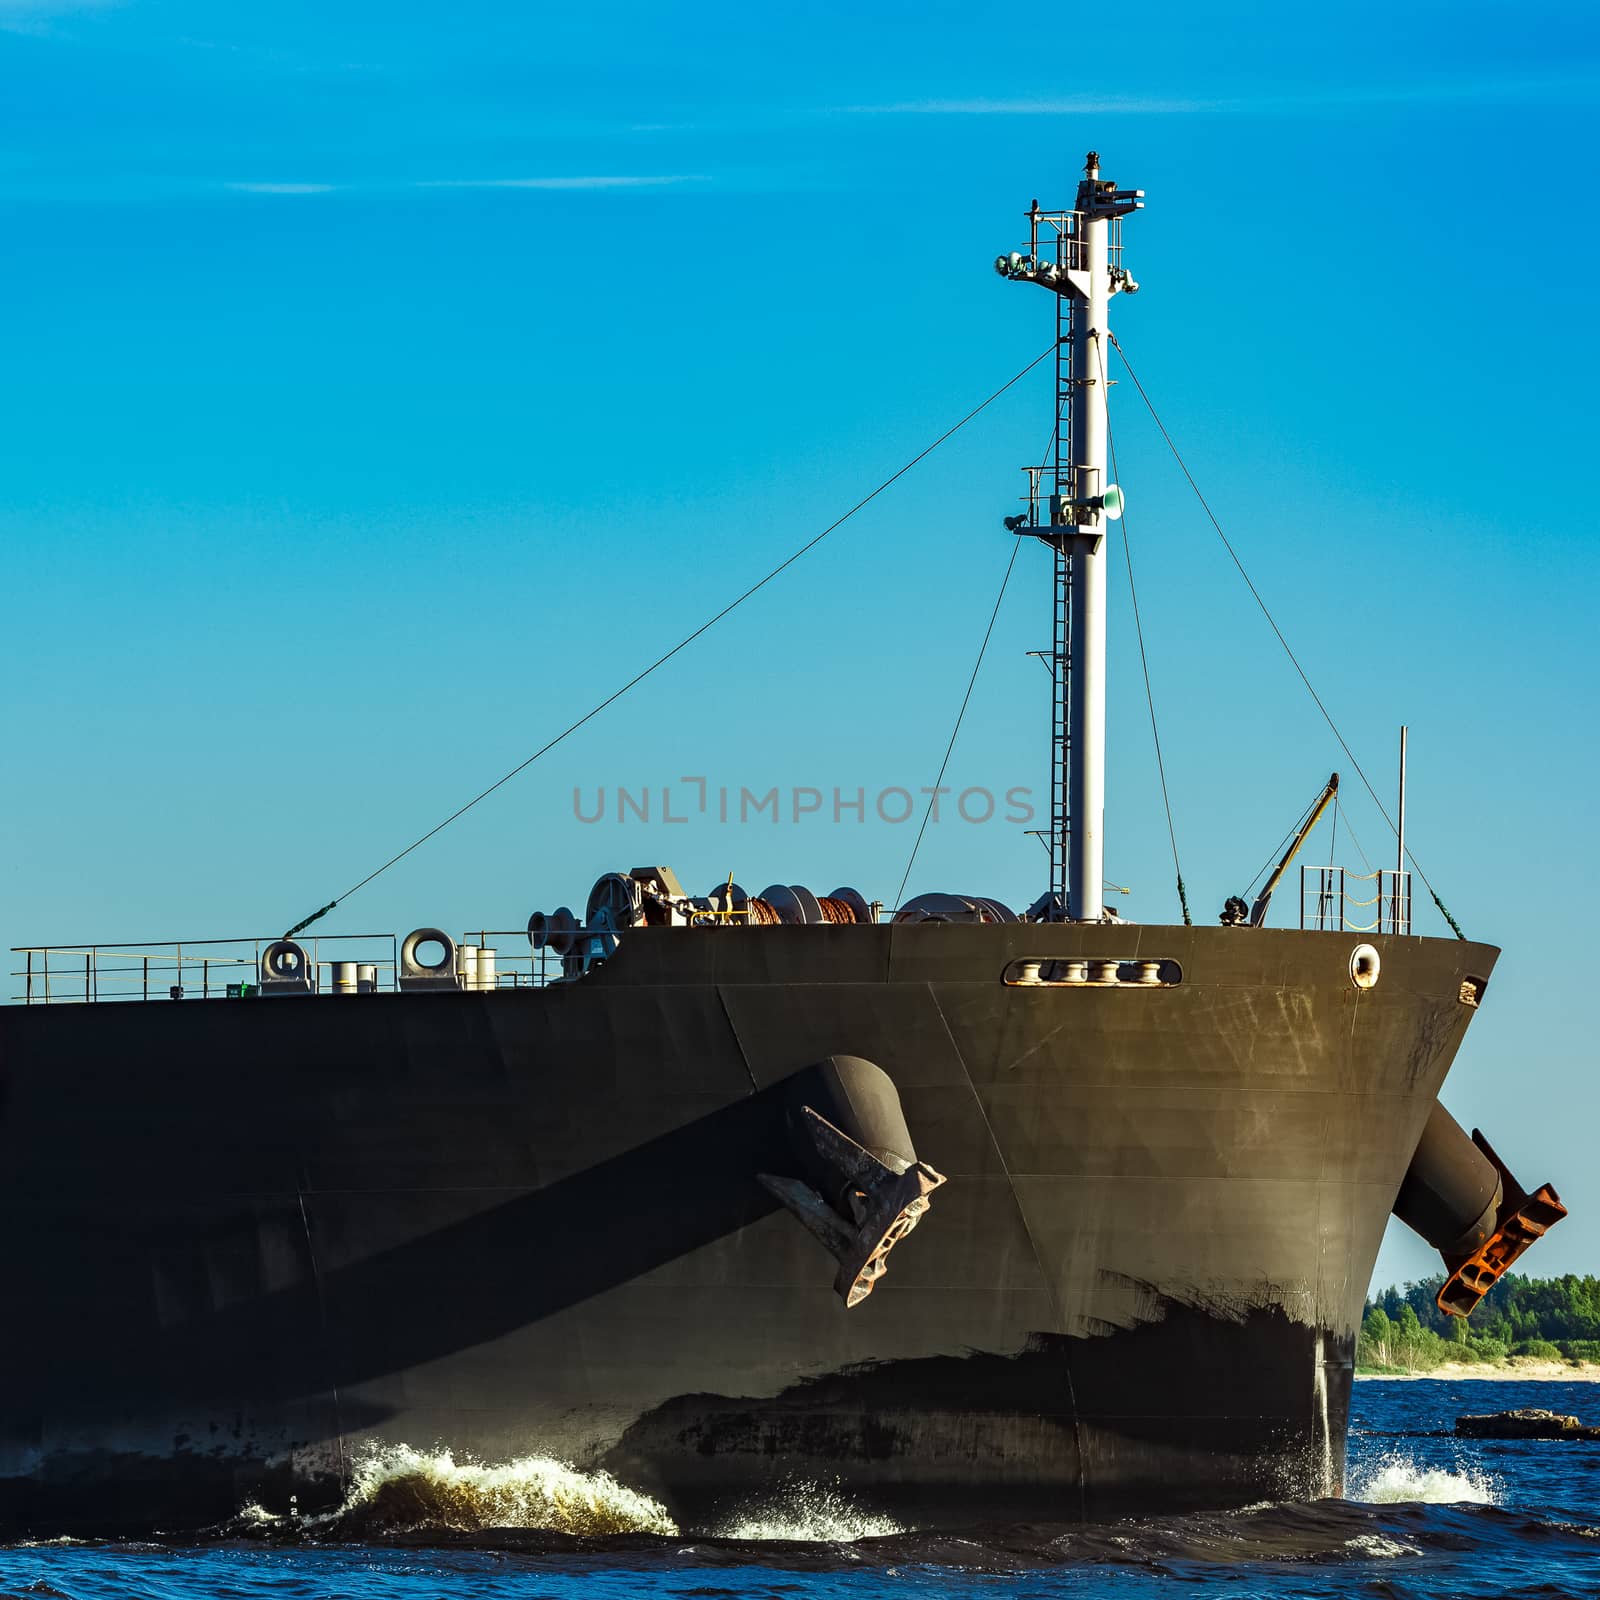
point(1033, 1244)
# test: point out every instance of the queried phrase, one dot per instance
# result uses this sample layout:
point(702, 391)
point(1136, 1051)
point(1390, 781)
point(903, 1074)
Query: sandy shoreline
point(1523, 1369)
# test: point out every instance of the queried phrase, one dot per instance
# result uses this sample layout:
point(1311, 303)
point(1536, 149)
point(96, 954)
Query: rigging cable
point(1324, 911)
point(1357, 843)
point(933, 795)
point(1293, 659)
point(1280, 847)
point(1144, 662)
point(682, 644)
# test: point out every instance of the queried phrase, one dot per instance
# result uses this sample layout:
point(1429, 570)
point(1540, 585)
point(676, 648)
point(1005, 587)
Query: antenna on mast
point(1077, 255)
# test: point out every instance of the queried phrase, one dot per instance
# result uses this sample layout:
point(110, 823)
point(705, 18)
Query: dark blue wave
point(1428, 1515)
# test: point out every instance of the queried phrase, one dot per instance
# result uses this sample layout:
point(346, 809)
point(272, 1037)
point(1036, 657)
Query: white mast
point(1086, 679)
point(1402, 884)
point(1085, 273)
point(1400, 832)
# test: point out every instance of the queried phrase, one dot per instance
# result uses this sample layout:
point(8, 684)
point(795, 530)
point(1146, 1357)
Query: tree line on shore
point(1553, 1319)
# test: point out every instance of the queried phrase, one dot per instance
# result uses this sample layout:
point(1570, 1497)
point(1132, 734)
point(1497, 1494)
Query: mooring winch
point(652, 897)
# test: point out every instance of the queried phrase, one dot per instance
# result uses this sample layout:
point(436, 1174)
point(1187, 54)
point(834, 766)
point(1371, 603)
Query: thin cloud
point(599, 181)
point(281, 188)
point(1078, 105)
point(1437, 92)
point(49, 8)
point(576, 182)
point(35, 16)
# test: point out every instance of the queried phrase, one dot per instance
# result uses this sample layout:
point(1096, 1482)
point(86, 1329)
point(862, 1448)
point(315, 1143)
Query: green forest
point(1553, 1319)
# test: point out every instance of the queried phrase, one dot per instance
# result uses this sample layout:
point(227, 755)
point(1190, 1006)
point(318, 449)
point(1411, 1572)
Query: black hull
point(242, 1239)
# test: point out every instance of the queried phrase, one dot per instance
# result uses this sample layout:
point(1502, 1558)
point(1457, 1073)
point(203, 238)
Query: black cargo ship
point(651, 1216)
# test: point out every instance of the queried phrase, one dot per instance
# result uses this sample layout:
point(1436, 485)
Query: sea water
point(1424, 1514)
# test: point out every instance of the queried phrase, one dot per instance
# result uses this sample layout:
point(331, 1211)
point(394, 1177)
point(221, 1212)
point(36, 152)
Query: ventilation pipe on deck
point(1460, 1197)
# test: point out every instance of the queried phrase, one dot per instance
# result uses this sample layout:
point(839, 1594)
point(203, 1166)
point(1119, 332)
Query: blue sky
point(385, 386)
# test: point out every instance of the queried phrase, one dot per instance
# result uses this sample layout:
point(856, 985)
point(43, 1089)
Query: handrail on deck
point(207, 969)
point(1327, 897)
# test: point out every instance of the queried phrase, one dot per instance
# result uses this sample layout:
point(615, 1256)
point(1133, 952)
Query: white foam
point(398, 1488)
point(1397, 1478)
point(252, 1514)
point(1377, 1544)
point(810, 1511)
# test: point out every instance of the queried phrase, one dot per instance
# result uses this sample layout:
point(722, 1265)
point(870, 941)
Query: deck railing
point(217, 969)
point(1334, 899)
